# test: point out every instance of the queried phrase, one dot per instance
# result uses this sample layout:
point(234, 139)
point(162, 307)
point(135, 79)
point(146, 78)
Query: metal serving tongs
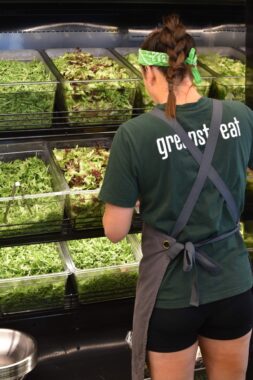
point(13, 192)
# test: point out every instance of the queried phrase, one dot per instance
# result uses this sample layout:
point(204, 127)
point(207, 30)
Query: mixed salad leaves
point(36, 215)
point(24, 292)
point(230, 83)
point(96, 89)
point(106, 283)
point(84, 169)
point(246, 230)
point(22, 98)
point(143, 98)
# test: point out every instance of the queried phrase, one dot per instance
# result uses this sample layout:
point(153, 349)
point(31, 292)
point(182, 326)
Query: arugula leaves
point(107, 282)
point(24, 292)
point(27, 216)
point(21, 103)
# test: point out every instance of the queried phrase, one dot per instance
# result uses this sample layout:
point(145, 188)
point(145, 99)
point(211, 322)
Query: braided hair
point(172, 39)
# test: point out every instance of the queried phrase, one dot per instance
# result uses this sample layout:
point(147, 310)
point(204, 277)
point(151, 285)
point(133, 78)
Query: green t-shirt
point(149, 162)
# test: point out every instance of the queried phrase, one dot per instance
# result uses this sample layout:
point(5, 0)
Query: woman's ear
point(150, 76)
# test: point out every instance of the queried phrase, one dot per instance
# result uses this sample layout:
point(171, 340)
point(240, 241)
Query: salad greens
point(20, 102)
point(23, 292)
point(139, 236)
point(100, 252)
point(143, 97)
point(107, 93)
point(247, 233)
point(230, 83)
point(29, 260)
point(84, 169)
point(26, 216)
point(106, 282)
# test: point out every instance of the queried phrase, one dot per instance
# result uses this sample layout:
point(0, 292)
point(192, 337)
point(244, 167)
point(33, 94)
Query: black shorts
point(173, 330)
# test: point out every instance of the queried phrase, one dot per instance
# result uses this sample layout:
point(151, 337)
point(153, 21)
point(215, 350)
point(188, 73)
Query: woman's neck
point(183, 95)
point(185, 92)
point(189, 95)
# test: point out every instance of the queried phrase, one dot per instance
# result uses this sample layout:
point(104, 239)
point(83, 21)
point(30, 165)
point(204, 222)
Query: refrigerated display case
point(87, 339)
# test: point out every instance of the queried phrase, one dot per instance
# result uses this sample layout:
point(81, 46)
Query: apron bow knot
point(189, 256)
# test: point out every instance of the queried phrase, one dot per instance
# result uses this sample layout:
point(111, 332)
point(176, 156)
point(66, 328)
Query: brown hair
point(172, 39)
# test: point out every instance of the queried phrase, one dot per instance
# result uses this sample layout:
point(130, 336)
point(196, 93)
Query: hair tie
point(192, 60)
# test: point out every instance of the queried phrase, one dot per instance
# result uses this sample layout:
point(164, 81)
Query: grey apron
point(159, 249)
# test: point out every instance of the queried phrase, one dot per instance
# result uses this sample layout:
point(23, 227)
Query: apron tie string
point(192, 254)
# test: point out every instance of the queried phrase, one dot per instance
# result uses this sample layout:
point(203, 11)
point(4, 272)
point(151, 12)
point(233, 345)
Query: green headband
point(154, 58)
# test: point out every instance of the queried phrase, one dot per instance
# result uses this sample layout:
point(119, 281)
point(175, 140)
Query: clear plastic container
point(93, 101)
point(35, 292)
point(35, 212)
point(27, 90)
point(82, 205)
point(129, 55)
point(103, 282)
point(229, 82)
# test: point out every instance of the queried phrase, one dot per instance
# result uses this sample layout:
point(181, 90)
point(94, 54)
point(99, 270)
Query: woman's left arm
point(117, 221)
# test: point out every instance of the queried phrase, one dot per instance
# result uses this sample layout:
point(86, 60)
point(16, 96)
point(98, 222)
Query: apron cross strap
point(206, 169)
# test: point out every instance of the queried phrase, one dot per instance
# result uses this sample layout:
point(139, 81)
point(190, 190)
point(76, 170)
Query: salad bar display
point(76, 297)
point(32, 277)
point(83, 168)
point(143, 100)
point(104, 270)
point(42, 276)
point(96, 87)
point(222, 71)
point(30, 201)
point(27, 91)
point(229, 69)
